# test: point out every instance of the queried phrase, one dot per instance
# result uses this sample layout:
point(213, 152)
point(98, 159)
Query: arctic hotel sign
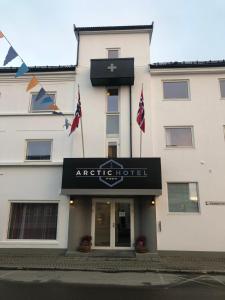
point(103, 176)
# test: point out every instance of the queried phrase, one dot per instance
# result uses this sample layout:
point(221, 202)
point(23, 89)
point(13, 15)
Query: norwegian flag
point(78, 114)
point(141, 113)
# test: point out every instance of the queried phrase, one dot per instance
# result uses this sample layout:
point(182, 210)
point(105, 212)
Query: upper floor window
point(183, 197)
point(112, 149)
point(176, 90)
point(112, 114)
point(113, 53)
point(38, 150)
point(179, 136)
point(40, 104)
point(222, 88)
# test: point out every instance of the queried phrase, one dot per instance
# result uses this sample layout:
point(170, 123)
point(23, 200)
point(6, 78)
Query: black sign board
point(105, 176)
point(112, 72)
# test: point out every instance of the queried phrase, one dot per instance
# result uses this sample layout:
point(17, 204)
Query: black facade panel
point(133, 175)
point(112, 72)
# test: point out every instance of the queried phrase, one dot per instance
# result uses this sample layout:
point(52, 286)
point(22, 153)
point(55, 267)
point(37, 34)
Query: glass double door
point(112, 223)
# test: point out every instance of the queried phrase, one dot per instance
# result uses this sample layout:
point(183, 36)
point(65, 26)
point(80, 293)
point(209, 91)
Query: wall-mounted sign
point(103, 176)
point(215, 202)
point(112, 71)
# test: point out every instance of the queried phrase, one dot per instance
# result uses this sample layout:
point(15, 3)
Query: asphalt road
point(43, 285)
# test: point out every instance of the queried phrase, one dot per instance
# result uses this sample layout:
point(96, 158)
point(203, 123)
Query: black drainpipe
point(131, 151)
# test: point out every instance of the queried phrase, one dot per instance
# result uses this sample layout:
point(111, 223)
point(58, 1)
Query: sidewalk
point(140, 263)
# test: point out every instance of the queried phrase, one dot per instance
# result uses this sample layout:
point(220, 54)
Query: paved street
point(32, 285)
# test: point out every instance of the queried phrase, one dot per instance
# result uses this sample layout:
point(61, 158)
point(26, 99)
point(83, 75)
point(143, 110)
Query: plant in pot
point(140, 244)
point(85, 244)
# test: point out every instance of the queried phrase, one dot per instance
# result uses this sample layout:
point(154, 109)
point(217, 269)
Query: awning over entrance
point(119, 176)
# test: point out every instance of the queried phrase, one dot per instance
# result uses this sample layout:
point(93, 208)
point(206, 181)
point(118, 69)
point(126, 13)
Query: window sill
point(32, 163)
point(177, 99)
point(179, 147)
point(29, 242)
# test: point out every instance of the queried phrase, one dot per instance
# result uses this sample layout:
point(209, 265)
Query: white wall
point(33, 181)
point(94, 99)
point(203, 231)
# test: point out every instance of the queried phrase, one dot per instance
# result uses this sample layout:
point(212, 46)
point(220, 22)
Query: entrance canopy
point(104, 176)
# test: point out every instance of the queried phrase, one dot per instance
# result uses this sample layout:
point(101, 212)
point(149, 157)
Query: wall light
point(71, 202)
point(153, 202)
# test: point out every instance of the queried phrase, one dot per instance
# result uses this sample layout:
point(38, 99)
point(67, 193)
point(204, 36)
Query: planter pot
point(141, 249)
point(84, 248)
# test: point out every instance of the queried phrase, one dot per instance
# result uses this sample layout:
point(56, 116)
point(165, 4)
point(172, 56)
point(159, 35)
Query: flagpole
point(141, 132)
point(140, 142)
point(82, 136)
point(81, 125)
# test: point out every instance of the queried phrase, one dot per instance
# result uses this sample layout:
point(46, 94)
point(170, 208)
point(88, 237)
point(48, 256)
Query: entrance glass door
point(112, 223)
point(102, 224)
point(122, 225)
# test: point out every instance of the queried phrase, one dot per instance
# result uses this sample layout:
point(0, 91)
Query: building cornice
point(30, 164)
point(189, 67)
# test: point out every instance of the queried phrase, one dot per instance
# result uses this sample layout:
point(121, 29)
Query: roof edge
point(188, 64)
point(45, 69)
point(77, 30)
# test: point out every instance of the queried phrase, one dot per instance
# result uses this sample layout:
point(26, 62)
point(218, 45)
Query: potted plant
point(140, 244)
point(85, 244)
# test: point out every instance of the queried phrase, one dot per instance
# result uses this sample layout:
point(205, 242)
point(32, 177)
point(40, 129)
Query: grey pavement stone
point(139, 264)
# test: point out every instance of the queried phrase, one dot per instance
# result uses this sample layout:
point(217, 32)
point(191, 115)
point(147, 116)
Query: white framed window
point(179, 137)
point(38, 150)
point(33, 221)
point(176, 90)
point(183, 197)
point(112, 113)
point(40, 105)
point(112, 149)
point(113, 53)
point(222, 88)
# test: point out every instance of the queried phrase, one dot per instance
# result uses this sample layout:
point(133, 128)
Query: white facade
point(204, 163)
point(40, 181)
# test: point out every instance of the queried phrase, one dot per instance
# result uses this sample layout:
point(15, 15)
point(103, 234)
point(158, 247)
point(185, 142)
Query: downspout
point(131, 150)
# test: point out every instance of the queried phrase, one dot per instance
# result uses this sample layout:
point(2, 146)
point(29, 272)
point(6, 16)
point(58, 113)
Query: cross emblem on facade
point(112, 67)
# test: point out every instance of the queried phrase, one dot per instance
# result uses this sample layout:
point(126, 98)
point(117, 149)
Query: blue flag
point(47, 99)
point(10, 55)
point(22, 70)
point(40, 94)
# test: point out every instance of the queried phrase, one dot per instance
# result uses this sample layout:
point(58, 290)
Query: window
point(112, 149)
point(175, 90)
point(112, 115)
point(33, 221)
point(39, 105)
point(222, 88)
point(179, 137)
point(113, 53)
point(183, 197)
point(38, 149)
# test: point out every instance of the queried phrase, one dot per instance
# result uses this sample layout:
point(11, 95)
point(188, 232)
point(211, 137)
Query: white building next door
point(112, 223)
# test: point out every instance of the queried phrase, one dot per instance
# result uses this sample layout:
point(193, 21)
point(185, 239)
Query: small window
point(112, 100)
point(112, 114)
point(112, 150)
point(41, 104)
point(113, 53)
point(222, 88)
point(183, 197)
point(179, 137)
point(39, 150)
point(112, 125)
point(33, 221)
point(175, 90)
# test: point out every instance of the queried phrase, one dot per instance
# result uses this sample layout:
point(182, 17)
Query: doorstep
point(105, 254)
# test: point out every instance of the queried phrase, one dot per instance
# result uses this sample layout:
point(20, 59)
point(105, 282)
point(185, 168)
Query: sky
point(42, 31)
